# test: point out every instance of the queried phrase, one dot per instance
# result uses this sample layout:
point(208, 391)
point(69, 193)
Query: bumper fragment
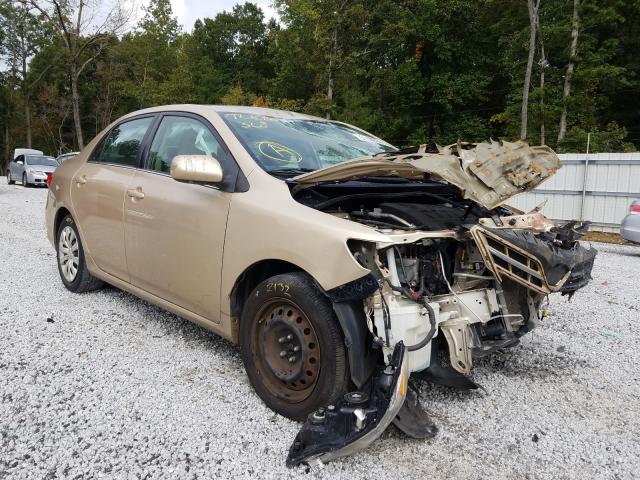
point(355, 421)
point(539, 262)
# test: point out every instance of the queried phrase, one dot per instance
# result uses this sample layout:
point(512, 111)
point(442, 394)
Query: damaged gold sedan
point(339, 264)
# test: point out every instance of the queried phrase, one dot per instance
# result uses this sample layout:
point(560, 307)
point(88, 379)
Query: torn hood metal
point(488, 173)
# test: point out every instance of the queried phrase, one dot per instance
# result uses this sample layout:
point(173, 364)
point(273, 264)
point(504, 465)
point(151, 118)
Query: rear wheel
point(10, 181)
point(292, 346)
point(71, 260)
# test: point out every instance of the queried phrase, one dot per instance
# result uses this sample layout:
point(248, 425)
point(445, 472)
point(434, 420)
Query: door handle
point(136, 193)
point(81, 180)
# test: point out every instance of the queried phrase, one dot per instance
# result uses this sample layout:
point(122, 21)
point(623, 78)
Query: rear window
point(40, 160)
point(122, 144)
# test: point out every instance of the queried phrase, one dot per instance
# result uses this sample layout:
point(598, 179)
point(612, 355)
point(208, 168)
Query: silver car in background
point(31, 169)
point(630, 228)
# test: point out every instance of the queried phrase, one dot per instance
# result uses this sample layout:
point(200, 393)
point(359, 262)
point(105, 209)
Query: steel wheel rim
point(68, 253)
point(282, 326)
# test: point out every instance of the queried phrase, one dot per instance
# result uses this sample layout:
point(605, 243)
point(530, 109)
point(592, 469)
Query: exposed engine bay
point(460, 277)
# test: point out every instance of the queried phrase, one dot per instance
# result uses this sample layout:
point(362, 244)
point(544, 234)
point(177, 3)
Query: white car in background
point(630, 228)
point(31, 169)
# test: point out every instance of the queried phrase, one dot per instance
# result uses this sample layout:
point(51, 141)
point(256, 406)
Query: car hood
point(488, 173)
point(41, 168)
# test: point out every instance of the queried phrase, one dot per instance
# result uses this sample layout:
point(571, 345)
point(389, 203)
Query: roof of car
point(270, 112)
point(26, 151)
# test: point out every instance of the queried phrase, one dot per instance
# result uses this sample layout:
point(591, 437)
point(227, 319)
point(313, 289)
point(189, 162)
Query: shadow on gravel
point(526, 363)
point(172, 324)
point(627, 250)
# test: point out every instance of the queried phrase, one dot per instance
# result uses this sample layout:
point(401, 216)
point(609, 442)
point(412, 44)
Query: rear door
point(98, 191)
point(174, 231)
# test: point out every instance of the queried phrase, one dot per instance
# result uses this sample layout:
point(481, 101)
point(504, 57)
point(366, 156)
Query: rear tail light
point(49, 179)
point(634, 208)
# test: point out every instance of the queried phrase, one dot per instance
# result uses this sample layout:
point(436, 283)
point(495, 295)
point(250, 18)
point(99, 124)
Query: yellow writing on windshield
point(254, 124)
point(278, 152)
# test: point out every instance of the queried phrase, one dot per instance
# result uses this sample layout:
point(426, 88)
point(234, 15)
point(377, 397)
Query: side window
point(121, 145)
point(182, 136)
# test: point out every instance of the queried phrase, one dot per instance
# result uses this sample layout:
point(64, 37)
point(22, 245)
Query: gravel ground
point(104, 385)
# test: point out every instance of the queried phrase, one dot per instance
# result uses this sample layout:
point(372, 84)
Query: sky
point(188, 11)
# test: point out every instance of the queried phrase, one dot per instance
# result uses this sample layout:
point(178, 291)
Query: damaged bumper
point(354, 422)
point(535, 262)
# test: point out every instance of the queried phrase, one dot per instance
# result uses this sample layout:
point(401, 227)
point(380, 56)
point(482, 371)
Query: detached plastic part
point(355, 421)
point(413, 420)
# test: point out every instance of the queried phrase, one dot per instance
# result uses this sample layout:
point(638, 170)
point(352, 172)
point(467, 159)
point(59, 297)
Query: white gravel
point(115, 387)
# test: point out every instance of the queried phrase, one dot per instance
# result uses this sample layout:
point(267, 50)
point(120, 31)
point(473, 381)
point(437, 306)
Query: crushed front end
point(455, 280)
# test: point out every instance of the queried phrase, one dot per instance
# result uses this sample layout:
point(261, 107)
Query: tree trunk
point(75, 102)
point(7, 147)
point(26, 99)
point(542, 139)
point(543, 66)
point(27, 119)
point(334, 49)
point(533, 20)
point(575, 30)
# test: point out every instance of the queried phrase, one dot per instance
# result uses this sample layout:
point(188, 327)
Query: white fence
point(601, 194)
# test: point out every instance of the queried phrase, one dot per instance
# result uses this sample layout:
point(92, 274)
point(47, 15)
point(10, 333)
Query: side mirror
point(20, 162)
point(196, 168)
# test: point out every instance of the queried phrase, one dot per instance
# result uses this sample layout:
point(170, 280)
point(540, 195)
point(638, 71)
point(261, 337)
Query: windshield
point(282, 144)
point(40, 160)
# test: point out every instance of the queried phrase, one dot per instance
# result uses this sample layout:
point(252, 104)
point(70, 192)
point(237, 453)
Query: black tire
point(292, 303)
point(10, 181)
point(83, 281)
point(24, 180)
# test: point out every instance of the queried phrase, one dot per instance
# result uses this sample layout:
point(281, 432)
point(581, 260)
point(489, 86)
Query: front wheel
point(71, 260)
point(292, 346)
point(24, 180)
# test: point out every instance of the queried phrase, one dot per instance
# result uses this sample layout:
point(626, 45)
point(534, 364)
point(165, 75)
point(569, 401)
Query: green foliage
point(237, 96)
point(611, 139)
point(410, 71)
point(148, 58)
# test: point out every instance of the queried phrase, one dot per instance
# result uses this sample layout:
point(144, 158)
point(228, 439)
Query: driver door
point(174, 231)
point(17, 168)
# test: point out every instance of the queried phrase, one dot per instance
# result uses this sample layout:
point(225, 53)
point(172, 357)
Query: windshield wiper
point(290, 171)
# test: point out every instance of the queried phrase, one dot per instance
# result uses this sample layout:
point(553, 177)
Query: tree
point(148, 56)
point(25, 33)
point(85, 34)
point(230, 50)
point(5, 120)
point(533, 7)
point(409, 71)
point(573, 48)
point(543, 63)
